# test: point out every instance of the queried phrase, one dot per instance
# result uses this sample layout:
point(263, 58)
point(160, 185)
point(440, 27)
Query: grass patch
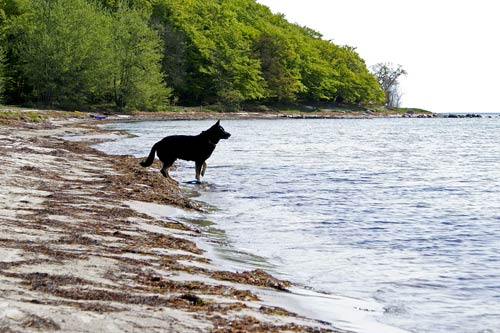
point(9, 116)
point(404, 110)
point(14, 115)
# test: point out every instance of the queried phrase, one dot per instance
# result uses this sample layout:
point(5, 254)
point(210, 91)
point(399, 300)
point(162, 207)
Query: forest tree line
point(150, 54)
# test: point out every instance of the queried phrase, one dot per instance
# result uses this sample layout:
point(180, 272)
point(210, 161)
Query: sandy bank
point(76, 257)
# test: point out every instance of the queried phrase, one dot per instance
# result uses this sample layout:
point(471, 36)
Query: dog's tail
point(150, 158)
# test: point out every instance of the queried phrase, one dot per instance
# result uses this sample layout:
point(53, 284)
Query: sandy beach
point(78, 254)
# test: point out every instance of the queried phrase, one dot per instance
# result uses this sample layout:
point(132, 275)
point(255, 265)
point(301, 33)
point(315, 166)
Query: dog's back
point(185, 147)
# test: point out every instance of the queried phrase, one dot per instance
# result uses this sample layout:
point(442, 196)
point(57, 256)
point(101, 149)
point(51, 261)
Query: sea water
point(401, 212)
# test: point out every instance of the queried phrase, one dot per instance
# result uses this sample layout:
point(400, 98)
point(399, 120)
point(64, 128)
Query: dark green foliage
point(2, 74)
point(147, 53)
point(59, 53)
point(135, 57)
point(74, 53)
point(279, 67)
point(237, 50)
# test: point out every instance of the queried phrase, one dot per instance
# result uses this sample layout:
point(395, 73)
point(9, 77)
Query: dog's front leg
point(203, 169)
point(199, 166)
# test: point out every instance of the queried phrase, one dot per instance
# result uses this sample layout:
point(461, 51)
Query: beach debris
point(193, 299)
point(250, 324)
point(276, 311)
point(39, 323)
point(159, 284)
point(256, 277)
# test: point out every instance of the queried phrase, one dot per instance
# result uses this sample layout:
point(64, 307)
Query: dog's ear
point(217, 123)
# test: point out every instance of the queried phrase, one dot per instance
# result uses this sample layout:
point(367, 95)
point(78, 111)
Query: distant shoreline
point(14, 114)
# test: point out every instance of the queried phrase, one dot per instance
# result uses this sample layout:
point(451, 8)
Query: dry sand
point(75, 257)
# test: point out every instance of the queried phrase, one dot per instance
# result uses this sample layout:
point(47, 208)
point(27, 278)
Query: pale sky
point(450, 48)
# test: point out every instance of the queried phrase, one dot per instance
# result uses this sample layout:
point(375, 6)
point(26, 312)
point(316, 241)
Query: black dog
point(196, 148)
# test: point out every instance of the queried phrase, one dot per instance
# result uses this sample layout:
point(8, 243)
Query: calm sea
point(401, 212)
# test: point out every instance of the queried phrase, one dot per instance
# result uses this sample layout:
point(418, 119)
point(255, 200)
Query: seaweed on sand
point(157, 284)
point(256, 277)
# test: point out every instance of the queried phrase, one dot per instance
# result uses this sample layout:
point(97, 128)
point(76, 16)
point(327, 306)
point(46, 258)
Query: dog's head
point(217, 132)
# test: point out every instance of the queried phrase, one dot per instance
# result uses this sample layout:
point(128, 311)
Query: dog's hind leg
point(164, 171)
point(166, 167)
point(203, 169)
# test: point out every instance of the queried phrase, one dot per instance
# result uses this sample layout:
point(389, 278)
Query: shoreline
point(16, 113)
point(77, 258)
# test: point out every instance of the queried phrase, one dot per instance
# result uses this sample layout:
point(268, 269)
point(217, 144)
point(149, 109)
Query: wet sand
point(76, 257)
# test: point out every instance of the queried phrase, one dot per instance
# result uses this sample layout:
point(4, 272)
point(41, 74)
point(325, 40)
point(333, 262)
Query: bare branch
point(388, 75)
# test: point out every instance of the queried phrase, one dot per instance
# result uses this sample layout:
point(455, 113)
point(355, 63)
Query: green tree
point(236, 75)
point(236, 50)
point(319, 74)
point(175, 57)
point(136, 58)
point(59, 53)
point(358, 85)
point(3, 19)
point(2, 74)
point(85, 52)
point(183, 26)
point(210, 53)
point(279, 67)
point(9, 10)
